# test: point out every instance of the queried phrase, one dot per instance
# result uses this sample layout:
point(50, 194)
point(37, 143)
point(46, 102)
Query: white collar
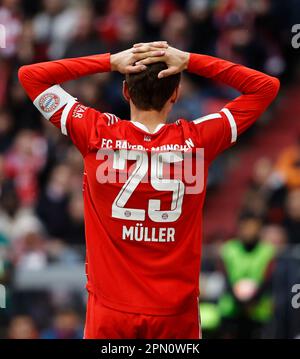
point(145, 128)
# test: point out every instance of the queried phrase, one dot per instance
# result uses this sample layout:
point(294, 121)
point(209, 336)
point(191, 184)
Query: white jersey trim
point(212, 116)
point(64, 116)
point(112, 119)
point(145, 128)
point(52, 100)
point(232, 124)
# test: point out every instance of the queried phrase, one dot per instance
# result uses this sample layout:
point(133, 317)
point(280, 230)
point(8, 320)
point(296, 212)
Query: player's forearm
point(36, 78)
point(243, 79)
point(258, 89)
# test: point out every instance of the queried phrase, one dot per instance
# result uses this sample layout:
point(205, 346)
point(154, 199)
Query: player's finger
point(144, 55)
point(162, 44)
point(135, 69)
point(148, 47)
point(142, 48)
point(167, 72)
point(151, 60)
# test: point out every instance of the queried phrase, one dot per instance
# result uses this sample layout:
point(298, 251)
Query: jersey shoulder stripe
point(232, 124)
point(111, 118)
point(64, 116)
point(212, 116)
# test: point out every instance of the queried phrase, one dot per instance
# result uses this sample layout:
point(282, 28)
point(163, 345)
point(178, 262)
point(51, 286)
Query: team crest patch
point(49, 102)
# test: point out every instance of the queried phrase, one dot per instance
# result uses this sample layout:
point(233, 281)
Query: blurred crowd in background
point(41, 209)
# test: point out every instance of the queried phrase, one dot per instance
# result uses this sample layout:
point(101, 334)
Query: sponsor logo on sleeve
point(79, 111)
point(49, 102)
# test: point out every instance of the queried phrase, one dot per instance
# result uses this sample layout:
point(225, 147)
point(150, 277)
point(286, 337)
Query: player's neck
point(150, 119)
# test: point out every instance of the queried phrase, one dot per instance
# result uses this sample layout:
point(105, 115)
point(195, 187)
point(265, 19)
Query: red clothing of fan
point(143, 235)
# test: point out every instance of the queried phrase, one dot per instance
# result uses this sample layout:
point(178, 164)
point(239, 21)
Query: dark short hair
point(147, 91)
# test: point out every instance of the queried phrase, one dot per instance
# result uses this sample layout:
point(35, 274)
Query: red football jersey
point(144, 192)
point(143, 227)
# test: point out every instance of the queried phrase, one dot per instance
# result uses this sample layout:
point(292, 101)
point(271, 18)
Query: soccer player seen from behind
point(144, 181)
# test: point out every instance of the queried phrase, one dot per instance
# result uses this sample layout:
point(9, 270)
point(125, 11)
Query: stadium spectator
point(14, 218)
point(288, 165)
point(5, 130)
point(66, 325)
point(247, 263)
point(55, 27)
point(86, 40)
point(53, 202)
point(30, 251)
point(10, 17)
point(23, 162)
point(276, 236)
point(292, 220)
point(22, 327)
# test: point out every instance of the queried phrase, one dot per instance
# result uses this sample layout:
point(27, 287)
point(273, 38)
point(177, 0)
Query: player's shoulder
point(102, 119)
point(110, 119)
point(182, 128)
point(182, 124)
point(105, 118)
point(203, 120)
point(198, 127)
point(206, 123)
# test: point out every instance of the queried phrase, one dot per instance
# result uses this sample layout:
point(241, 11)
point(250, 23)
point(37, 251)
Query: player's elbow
point(23, 74)
point(27, 80)
point(273, 86)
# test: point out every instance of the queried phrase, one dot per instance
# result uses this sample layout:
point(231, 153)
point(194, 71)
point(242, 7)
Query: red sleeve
point(39, 77)
point(84, 125)
point(41, 83)
point(218, 131)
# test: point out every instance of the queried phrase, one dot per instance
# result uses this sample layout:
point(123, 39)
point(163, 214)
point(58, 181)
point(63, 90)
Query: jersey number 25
point(157, 182)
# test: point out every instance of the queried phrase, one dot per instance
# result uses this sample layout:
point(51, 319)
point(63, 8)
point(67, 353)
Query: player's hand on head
point(175, 59)
point(145, 46)
point(125, 61)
